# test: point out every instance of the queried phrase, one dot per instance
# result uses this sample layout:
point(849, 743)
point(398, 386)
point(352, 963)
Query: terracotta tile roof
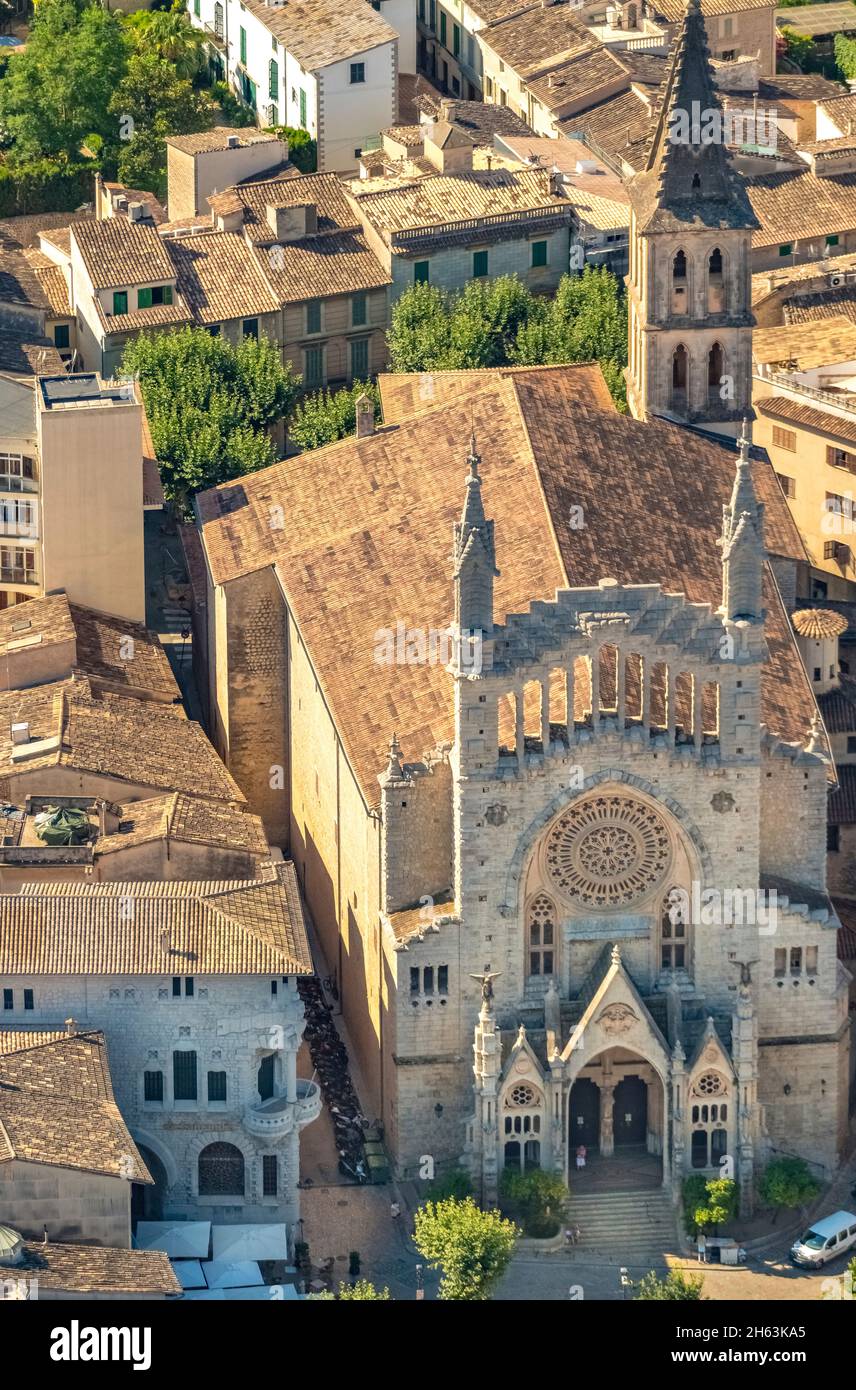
point(838, 708)
point(797, 205)
point(25, 230)
point(847, 931)
point(205, 141)
point(799, 86)
point(619, 126)
point(416, 922)
point(820, 343)
point(157, 316)
point(19, 283)
point(843, 143)
point(480, 120)
point(818, 622)
point(24, 353)
point(783, 408)
point(492, 11)
point(97, 1269)
point(673, 10)
point(766, 282)
point(101, 640)
point(586, 76)
point(45, 621)
point(141, 742)
point(841, 109)
point(247, 927)
point(368, 541)
point(324, 190)
point(52, 282)
point(320, 32)
point(152, 207)
point(324, 265)
point(441, 200)
point(189, 819)
point(16, 1039)
point(57, 1107)
point(827, 304)
point(219, 278)
point(60, 237)
point(604, 214)
point(118, 253)
point(405, 394)
point(841, 808)
point(539, 39)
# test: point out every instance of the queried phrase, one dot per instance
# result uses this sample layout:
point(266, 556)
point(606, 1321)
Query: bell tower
point(689, 286)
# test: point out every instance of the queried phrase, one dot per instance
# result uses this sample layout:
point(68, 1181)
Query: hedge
point(44, 186)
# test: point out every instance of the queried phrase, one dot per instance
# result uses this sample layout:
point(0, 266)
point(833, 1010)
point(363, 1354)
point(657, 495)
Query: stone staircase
point(630, 1227)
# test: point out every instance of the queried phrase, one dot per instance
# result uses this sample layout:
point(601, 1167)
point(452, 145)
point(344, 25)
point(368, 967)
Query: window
point(479, 264)
point(811, 960)
point(120, 302)
point(273, 79)
point(358, 73)
point(415, 982)
point(273, 115)
point(153, 1087)
point(188, 987)
point(832, 842)
point(456, 40)
point(840, 458)
point(269, 1175)
point(539, 253)
point(243, 36)
point(214, 330)
point(471, 51)
point(251, 328)
point(218, 19)
point(274, 986)
point(673, 931)
point(28, 999)
point(176, 986)
point(785, 249)
point(542, 936)
point(313, 367)
point(61, 338)
point(420, 272)
point(796, 960)
point(216, 1087)
point(428, 979)
point(8, 999)
point(360, 359)
point(358, 309)
point(780, 962)
point(158, 294)
point(313, 316)
point(196, 7)
point(302, 109)
point(789, 485)
point(488, 87)
point(432, 13)
point(442, 979)
point(832, 240)
point(221, 1171)
point(17, 566)
point(715, 371)
point(443, 28)
point(184, 1076)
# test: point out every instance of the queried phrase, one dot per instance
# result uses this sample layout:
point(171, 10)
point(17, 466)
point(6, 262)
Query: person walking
point(581, 1156)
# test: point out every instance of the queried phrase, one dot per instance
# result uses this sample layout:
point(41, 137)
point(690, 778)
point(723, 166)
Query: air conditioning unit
point(836, 281)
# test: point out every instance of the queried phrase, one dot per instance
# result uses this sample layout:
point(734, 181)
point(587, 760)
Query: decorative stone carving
point(617, 1018)
point(722, 801)
point(496, 814)
point(711, 1084)
point(608, 851)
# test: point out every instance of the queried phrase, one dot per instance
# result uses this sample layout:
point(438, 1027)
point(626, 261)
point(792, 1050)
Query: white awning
point(234, 1243)
point(240, 1274)
point(182, 1240)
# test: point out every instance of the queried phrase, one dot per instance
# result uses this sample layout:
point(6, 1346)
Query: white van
point(825, 1239)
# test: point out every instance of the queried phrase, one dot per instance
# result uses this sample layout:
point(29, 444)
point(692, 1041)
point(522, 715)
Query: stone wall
point(77, 1207)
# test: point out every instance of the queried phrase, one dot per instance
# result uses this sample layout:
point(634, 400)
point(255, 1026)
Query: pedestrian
point(581, 1156)
point(394, 1210)
point(702, 1248)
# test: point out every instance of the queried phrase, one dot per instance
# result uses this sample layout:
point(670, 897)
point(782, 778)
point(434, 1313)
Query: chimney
point(447, 110)
point(292, 223)
point(70, 1027)
point(44, 1235)
point(135, 212)
point(20, 734)
point(233, 142)
point(102, 816)
point(365, 416)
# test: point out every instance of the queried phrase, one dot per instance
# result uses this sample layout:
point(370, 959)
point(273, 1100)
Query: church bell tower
point(689, 286)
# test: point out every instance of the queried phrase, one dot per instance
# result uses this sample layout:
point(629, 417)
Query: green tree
point(324, 416)
point(150, 103)
point(302, 149)
point(456, 1183)
point(168, 35)
point(674, 1288)
point(364, 1291)
point(58, 90)
point(799, 48)
point(720, 1206)
point(536, 1199)
point(209, 406)
point(472, 1247)
point(845, 56)
point(787, 1183)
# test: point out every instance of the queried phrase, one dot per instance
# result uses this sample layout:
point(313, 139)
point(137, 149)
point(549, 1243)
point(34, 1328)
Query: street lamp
point(420, 1287)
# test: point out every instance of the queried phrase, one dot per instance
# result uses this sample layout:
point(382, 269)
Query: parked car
point(825, 1239)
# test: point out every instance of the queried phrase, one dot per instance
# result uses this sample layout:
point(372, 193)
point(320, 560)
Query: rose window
point(521, 1095)
point(608, 851)
point(709, 1085)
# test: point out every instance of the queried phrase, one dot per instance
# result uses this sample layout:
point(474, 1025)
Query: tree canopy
point(325, 416)
point(209, 405)
point(675, 1288)
point(471, 1247)
point(494, 323)
point(787, 1182)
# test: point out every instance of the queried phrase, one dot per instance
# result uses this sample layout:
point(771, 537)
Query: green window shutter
point(196, 8)
point(302, 109)
point(539, 253)
point(479, 264)
point(167, 294)
point(456, 40)
point(420, 273)
point(785, 249)
point(61, 335)
point(314, 374)
point(358, 310)
point(313, 316)
point(443, 28)
point(144, 299)
point(243, 45)
point(273, 79)
point(120, 301)
point(360, 359)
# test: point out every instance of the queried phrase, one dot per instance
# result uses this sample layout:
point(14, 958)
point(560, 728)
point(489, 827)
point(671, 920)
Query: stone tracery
point(608, 851)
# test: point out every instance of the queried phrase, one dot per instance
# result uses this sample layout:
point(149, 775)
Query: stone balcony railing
point(275, 1118)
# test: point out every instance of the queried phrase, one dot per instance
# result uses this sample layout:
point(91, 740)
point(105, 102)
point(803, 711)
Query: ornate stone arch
point(530, 837)
point(196, 1145)
point(147, 1140)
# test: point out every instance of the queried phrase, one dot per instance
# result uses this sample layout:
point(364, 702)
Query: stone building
point(690, 320)
point(581, 895)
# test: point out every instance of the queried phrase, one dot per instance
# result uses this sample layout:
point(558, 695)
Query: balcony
point(275, 1118)
point(215, 36)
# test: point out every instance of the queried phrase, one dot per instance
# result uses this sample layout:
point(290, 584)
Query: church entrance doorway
point(631, 1111)
point(585, 1114)
point(147, 1201)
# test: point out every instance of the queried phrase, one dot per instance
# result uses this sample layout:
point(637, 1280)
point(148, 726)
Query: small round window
point(521, 1095)
point(710, 1084)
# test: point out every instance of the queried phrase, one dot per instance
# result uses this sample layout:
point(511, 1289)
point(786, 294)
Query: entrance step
point(625, 1225)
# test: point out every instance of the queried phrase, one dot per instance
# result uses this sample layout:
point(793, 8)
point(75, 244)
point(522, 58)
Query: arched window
point(221, 1171)
point(715, 283)
point(709, 1118)
point(680, 377)
point(522, 1115)
point(696, 183)
point(715, 371)
point(674, 930)
point(542, 936)
point(218, 20)
point(266, 1077)
point(679, 284)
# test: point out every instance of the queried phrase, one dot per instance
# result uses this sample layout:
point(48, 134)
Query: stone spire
point(689, 176)
point(743, 544)
point(394, 772)
point(474, 557)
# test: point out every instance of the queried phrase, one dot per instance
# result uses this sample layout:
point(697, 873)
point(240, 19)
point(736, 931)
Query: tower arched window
point(715, 283)
point(715, 371)
point(218, 20)
point(522, 1116)
point(680, 378)
point(541, 932)
point(221, 1171)
point(679, 284)
point(675, 930)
